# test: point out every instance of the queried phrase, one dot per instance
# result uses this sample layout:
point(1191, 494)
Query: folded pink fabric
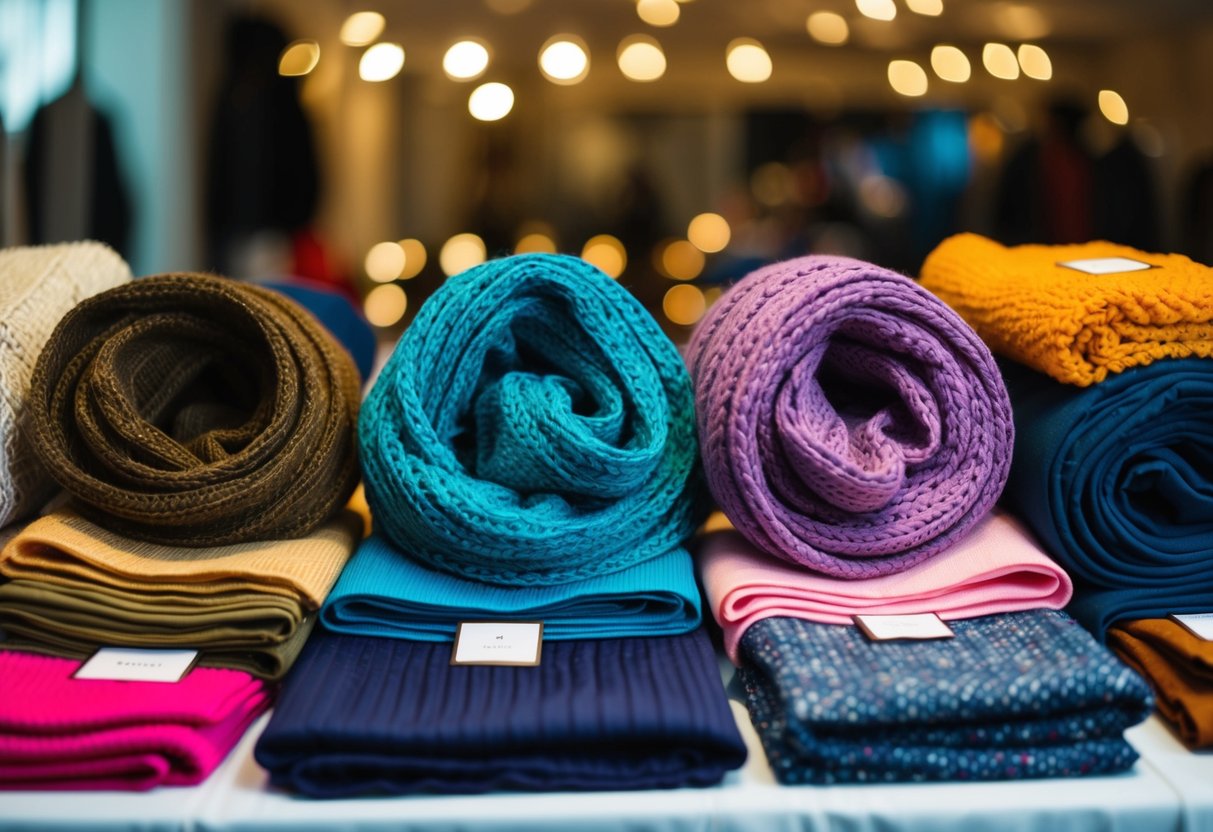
point(995, 568)
point(57, 732)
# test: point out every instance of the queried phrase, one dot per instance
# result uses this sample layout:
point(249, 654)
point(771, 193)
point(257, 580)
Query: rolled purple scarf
point(849, 420)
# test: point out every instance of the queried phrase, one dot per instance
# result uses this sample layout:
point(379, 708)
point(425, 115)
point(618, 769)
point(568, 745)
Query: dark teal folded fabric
point(383, 592)
point(1020, 695)
point(1116, 479)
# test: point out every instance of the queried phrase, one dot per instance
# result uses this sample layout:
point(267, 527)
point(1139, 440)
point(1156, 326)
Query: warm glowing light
point(931, 8)
point(414, 258)
point(986, 138)
point(299, 58)
point(684, 304)
point(385, 305)
point(564, 59)
point(535, 243)
point(1113, 107)
point(607, 253)
point(950, 64)
point(640, 58)
point(828, 28)
point(384, 262)
point(709, 232)
point(361, 28)
point(658, 12)
point(1000, 61)
point(907, 78)
point(381, 62)
point(747, 61)
point(1020, 22)
point(465, 60)
point(490, 102)
point(680, 260)
point(1035, 62)
point(877, 9)
point(460, 253)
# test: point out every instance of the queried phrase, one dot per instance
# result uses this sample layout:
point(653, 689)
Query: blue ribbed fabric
point(383, 592)
point(363, 715)
point(1019, 695)
point(533, 426)
point(1116, 479)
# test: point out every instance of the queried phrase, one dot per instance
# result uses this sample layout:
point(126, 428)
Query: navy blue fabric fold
point(1020, 695)
point(361, 715)
point(1116, 479)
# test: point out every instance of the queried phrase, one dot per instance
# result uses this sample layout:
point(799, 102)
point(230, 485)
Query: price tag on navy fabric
point(1107, 265)
point(892, 627)
point(515, 643)
point(1199, 624)
point(136, 664)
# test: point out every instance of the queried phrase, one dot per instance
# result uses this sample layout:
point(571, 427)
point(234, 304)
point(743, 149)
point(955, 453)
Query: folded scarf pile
point(1179, 666)
point(38, 285)
point(73, 586)
point(336, 313)
point(533, 426)
point(1020, 695)
point(996, 568)
point(191, 410)
point(57, 732)
point(384, 593)
point(1076, 327)
point(850, 422)
point(382, 716)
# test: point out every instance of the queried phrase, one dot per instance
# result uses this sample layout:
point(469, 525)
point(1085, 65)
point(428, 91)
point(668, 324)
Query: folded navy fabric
point(384, 592)
point(1019, 695)
point(361, 715)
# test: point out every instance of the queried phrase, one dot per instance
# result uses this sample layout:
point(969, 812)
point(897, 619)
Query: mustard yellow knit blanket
point(1073, 325)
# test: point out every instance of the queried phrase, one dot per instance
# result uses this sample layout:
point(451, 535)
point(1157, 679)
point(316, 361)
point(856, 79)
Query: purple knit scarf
point(849, 420)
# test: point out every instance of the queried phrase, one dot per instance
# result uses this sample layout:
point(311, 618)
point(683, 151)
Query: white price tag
point(1106, 265)
point(136, 664)
point(1199, 624)
point(498, 643)
point(890, 627)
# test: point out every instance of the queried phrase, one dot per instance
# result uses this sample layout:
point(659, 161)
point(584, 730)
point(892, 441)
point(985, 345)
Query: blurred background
point(377, 147)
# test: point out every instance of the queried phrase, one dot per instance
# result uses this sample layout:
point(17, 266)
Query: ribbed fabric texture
point(1075, 327)
point(533, 426)
point(996, 568)
point(337, 314)
point(850, 422)
point(57, 732)
point(191, 410)
point(73, 586)
point(383, 592)
point(1114, 480)
point(1179, 667)
point(382, 716)
point(38, 285)
point(1020, 695)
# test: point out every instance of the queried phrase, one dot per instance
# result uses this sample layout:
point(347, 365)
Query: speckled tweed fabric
point(191, 410)
point(1018, 695)
point(38, 285)
point(532, 426)
point(850, 422)
point(1076, 327)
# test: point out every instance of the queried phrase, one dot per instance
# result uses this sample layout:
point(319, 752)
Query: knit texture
point(1074, 326)
point(383, 592)
point(1115, 481)
point(57, 732)
point(533, 426)
point(850, 422)
point(335, 313)
point(38, 285)
point(996, 568)
point(1178, 666)
point(382, 716)
point(191, 410)
point(1020, 695)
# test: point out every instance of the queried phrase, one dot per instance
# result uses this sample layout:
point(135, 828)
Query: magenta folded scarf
point(850, 422)
point(996, 568)
point(57, 732)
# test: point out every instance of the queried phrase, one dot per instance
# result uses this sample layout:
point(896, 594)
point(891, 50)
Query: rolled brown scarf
point(192, 410)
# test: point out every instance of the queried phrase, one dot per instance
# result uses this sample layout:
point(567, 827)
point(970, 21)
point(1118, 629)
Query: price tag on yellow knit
point(892, 627)
point(1199, 624)
point(513, 643)
point(136, 664)
point(1107, 265)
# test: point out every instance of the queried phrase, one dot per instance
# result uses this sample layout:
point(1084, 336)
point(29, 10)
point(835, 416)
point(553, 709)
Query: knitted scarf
point(850, 422)
point(533, 426)
point(196, 411)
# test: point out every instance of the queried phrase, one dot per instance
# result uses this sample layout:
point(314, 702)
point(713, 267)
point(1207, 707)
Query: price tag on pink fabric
point(135, 664)
point(516, 643)
point(925, 625)
point(1199, 624)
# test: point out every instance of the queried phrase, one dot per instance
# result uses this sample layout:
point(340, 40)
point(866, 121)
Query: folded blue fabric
point(383, 592)
point(337, 314)
point(1020, 695)
point(362, 715)
point(1116, 479)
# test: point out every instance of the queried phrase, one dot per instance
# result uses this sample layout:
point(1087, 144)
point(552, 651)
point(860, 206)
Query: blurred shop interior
point(380, 145)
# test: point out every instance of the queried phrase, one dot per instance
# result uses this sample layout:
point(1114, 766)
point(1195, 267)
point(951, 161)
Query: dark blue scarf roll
point(1020, 695)
point(362, 715)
